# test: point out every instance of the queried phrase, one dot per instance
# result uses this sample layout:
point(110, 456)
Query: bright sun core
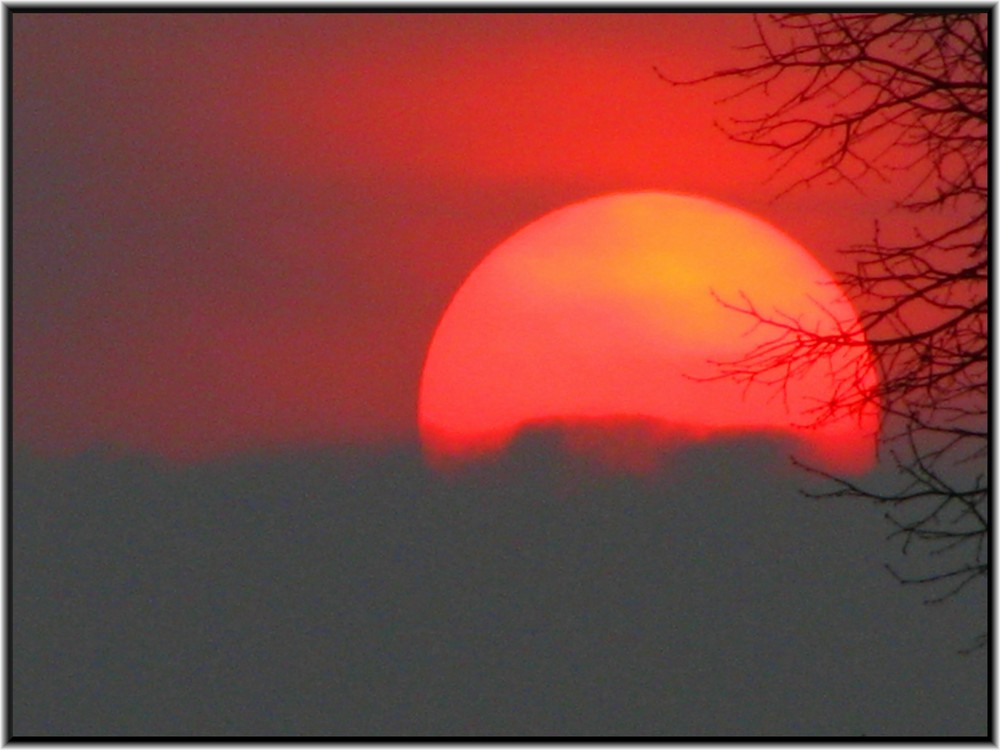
point(605, 309)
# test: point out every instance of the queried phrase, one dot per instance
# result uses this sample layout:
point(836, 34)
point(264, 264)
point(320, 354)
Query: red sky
point(235, 231)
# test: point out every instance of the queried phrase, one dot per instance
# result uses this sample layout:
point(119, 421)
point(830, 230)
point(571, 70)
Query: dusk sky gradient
point(234, 235)
point(240, 230)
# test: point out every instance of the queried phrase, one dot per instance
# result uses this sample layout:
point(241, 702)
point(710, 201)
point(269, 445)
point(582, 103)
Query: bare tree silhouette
point(900, 97)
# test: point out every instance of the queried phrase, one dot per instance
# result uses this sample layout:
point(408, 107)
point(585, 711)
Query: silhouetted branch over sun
point(604, 309)
point(898, 97)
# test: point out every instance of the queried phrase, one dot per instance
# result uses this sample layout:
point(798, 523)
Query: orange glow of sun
point(605, 309)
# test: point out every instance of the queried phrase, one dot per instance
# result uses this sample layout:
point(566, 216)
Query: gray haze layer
point(355, 593)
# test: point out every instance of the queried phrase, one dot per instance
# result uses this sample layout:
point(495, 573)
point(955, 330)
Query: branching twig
point(866, 95)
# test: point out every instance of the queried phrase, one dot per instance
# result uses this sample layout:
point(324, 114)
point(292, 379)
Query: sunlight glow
point(605, 309)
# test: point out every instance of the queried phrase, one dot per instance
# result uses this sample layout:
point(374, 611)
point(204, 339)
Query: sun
point(609, 309)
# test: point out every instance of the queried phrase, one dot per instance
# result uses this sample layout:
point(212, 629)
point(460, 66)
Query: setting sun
point(609, 309)
point(498, 374)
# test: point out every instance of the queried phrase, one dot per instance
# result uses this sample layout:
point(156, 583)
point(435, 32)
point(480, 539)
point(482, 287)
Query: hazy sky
point(233, 236)
point(352, 593)
point(240, 230)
